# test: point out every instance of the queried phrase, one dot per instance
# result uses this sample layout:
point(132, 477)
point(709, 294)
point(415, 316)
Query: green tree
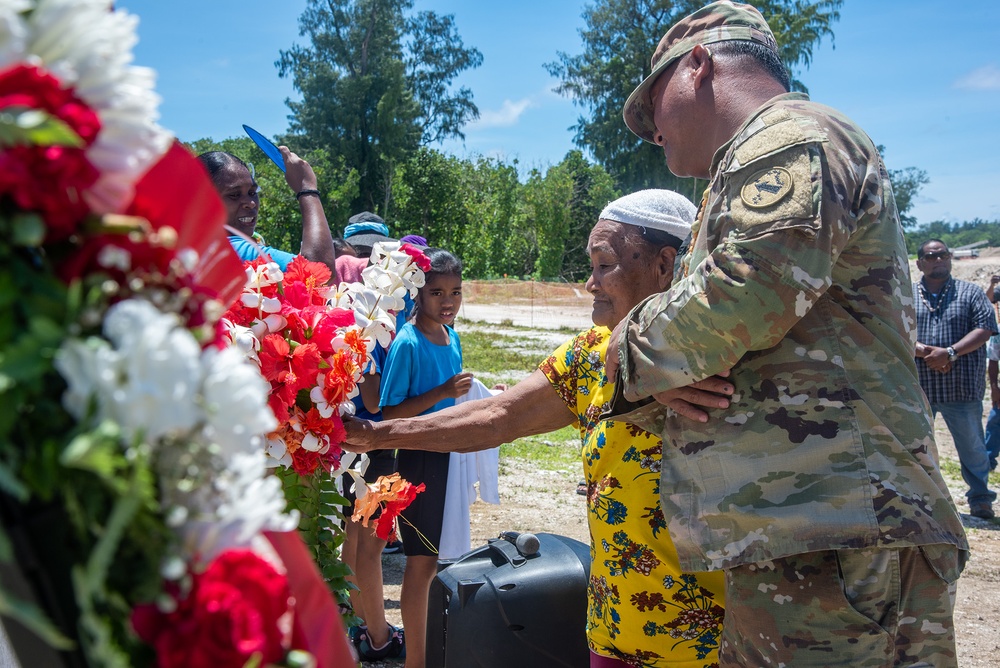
point(375, 85)
point(906, 185)
point(429, 199)
point(563, 206)
point(618, 41)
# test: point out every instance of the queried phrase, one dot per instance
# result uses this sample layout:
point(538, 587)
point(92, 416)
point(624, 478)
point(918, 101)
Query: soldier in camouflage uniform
point(817, 488)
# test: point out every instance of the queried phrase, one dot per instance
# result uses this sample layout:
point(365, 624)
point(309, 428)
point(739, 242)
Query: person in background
point(344, 248)
point(815, 490)
point(954, 321)
point(994, 290)
point(992, 439)
point(643, 609)
point(240, 194)
point(364, 230)
point(415, 240)
point(423, 374)
point(375, 639)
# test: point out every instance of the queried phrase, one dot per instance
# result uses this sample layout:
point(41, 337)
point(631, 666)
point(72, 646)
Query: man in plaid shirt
point(954, 321)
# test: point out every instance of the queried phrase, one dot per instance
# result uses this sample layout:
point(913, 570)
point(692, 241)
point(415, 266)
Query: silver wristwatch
point(952, 355)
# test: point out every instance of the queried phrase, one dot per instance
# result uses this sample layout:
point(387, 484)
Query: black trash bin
point(496, 607)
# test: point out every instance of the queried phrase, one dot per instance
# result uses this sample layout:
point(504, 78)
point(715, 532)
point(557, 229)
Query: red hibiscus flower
point(231, 613)
point(385, 527)
point(311, 275)
point(318, 325)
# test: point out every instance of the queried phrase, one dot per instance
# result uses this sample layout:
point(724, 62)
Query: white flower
point(388, 284)
point(77, 362)
point(243, 339)
point(146, 379)
point(235, 402)
point(239, 503)
point(263, 276)
point(13, 31)
point(88, 46)
point(277, 453)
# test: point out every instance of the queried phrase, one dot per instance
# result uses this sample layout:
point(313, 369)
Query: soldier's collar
point(723, 151)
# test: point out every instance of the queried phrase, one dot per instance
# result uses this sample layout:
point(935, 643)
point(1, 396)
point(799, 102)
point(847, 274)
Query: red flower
point(418, 256)
point(385, 527)
point(288, 370)
point(48, 179)
point(305, 462)
point(231, 613)
point(390, 493)
point(338, 379)
point(312, 276)
point(317, 325)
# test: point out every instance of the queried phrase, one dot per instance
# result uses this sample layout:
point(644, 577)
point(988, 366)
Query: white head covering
point(653, 209)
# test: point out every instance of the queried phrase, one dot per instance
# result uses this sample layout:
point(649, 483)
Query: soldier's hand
point(712, 392)
point(611, 358)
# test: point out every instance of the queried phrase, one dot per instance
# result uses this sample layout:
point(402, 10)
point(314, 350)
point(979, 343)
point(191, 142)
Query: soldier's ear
point(663, 265)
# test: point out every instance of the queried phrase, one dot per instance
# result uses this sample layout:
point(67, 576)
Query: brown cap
point(718, 22)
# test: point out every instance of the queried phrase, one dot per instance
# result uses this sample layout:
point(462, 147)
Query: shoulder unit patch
point(766, 187)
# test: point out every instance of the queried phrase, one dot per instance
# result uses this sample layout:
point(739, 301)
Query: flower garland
point(132, 437)
point(312, 343)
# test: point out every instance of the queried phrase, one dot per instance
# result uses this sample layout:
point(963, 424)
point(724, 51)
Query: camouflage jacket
point(797, 279)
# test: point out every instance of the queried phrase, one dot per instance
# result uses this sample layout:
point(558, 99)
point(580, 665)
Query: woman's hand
point(299, 174)
point(360, 435)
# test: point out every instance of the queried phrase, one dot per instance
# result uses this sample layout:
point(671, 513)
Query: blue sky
point(922, 81)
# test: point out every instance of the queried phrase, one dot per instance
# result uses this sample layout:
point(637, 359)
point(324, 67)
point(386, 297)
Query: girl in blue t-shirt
point(423, 374)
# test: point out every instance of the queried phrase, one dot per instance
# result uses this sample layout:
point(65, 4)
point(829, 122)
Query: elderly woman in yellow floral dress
point(642, 610)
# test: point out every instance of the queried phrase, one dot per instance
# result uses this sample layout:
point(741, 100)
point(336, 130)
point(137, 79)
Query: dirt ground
point(545, 501)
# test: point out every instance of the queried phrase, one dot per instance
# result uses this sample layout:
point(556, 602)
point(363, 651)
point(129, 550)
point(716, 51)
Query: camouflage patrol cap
point(718, 22)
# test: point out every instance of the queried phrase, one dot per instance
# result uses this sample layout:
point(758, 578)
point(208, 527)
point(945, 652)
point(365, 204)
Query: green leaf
point(28, 230)
point(10, 484)
point(6, 547)
point(34, 620)
point(97, 451)
point(35, 127)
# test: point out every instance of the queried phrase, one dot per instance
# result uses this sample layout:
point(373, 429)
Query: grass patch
point(557, 450)
point(950, 468)
point(492, 353)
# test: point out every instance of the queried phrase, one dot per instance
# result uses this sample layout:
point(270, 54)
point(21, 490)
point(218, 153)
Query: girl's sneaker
point(395, 648)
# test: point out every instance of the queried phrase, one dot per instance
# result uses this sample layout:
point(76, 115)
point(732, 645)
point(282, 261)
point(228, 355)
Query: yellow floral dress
point(641, 608)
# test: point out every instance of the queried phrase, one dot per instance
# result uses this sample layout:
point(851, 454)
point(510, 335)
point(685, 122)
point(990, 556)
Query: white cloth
point(993, 348)
point(465, 469)
point(654, 209)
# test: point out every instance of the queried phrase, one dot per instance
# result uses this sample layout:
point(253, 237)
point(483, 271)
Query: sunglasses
point(936, 256)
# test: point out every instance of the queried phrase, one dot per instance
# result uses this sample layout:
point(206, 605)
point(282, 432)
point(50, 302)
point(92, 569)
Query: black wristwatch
point(952, 355)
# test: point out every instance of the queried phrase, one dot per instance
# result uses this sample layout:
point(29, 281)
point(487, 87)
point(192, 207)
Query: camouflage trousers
point(859, 608)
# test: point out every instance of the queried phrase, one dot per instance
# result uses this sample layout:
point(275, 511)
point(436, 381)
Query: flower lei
point(131, 439)
point(312, 343)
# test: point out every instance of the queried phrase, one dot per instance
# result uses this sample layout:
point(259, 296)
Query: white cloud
point(986, 77)
point(507, 115)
